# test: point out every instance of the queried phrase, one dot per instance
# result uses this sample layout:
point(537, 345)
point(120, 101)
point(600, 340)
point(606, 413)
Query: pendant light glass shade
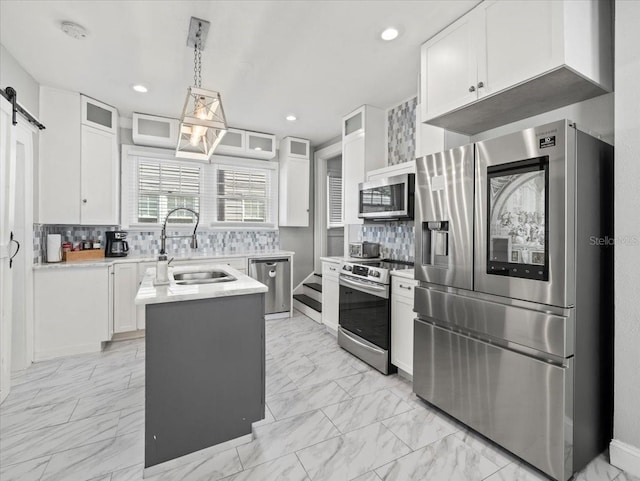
point(202, 126)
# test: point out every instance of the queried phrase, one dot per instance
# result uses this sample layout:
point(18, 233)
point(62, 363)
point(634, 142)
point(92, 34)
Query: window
point(166, 186)
point(334, 200)
point(229, 192)
point(244, 195)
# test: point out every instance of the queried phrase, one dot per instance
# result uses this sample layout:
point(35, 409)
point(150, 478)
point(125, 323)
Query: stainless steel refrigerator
point(515, 304)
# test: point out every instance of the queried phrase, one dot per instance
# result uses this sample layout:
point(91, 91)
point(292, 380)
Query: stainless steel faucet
point(164, 236)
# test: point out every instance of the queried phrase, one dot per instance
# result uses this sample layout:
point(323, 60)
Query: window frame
point(129, 193)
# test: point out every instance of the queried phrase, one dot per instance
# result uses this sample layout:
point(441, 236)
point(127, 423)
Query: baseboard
point(67, 351)
point(625, 457)
point(126, 336)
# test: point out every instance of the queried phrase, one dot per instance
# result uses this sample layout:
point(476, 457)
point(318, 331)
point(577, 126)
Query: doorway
point(328, 236)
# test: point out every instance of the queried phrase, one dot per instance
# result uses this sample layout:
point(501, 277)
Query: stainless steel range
point(365, 310)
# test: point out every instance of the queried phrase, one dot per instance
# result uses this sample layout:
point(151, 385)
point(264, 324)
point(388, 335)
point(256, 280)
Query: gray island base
point(205, 378)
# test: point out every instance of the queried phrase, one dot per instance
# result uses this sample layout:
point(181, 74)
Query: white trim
point(196, 456)
point(68, 351)
point(625, 457)
point(320, 215)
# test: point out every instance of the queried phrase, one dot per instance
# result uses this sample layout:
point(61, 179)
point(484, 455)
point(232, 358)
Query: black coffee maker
point(116, 246)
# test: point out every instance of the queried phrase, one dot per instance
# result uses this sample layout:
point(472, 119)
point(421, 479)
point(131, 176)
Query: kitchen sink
point(202, 277)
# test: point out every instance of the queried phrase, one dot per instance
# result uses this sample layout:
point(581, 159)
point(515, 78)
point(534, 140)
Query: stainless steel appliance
point(364, 250)
point(116, 245)
point(365, 311)
point(275, 273)
point(387, 199)
point(514, 328)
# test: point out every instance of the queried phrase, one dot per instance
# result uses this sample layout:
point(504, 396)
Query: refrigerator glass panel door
point(517, 240)
point(525, 203)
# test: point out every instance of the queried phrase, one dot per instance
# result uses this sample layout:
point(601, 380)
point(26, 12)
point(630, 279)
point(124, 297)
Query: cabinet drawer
point(329, 269)
point(403, 287)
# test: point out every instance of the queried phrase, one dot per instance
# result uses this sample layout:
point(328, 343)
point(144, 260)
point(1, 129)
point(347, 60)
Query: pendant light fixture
point(203, 123)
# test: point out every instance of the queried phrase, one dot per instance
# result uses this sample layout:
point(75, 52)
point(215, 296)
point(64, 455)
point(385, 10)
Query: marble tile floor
point(329, 417)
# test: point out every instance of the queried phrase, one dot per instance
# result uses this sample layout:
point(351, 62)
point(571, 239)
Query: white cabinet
point(538, 55)
point(330, 295)
point(294, 182)
point(363, 149)
point(244, 143)
point(71, 312)
point(78, 168)
point(431, 139)
point(402, 316)
point(155, 131)
point(125, 287)
point(59, 158)
point(99, 115)
point(99, 177)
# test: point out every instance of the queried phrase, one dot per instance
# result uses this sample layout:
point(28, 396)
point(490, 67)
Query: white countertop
point(107, 261)
point(150, 294)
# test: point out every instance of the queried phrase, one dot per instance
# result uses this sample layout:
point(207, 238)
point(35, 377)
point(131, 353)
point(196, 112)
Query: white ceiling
point(316, 59)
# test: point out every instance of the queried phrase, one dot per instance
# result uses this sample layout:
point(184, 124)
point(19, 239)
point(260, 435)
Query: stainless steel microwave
point(391, 198)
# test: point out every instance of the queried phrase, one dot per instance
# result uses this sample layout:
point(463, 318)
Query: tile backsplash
point(147, 243)
point(401, 133)
point(396, 239)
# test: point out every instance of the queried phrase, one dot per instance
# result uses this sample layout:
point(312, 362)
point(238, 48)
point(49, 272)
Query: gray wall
point(627, 226)
point(13, 75)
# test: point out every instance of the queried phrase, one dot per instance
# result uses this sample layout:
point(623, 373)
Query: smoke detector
point(74, 30)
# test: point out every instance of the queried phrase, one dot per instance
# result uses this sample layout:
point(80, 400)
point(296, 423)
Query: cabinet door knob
point(84, 201)
point(472, 89)
point(480, 85)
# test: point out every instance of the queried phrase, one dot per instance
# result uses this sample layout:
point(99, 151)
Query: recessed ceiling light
point(389, 34)
point(74, 30)
point(291, 118)
point(140, 88)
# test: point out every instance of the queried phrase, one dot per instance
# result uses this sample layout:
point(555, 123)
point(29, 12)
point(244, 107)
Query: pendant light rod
point(198, 25)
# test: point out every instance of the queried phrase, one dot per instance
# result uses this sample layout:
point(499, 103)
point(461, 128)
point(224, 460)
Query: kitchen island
point(205, 359)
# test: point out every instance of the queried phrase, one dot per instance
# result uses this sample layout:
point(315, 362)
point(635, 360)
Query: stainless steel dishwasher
point(275, 273)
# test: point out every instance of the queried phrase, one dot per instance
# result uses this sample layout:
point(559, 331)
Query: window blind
point(334, 200)
point(243, 195)
point(162, 187)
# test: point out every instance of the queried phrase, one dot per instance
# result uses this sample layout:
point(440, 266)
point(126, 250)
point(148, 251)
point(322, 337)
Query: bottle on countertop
point(97, 244)
point(86, 244)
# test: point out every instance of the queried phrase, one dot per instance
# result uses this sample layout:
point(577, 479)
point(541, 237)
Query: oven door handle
point(380, 291)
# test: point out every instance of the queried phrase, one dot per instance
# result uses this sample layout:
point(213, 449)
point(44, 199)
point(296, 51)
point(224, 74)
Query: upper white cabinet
point(59, 159)
point(243, 143)
point(507, 60)
point(294, 182)
point(99, 115)
point(363, 149)
point(155, 131)
point(99, 177)
point(79, 151)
